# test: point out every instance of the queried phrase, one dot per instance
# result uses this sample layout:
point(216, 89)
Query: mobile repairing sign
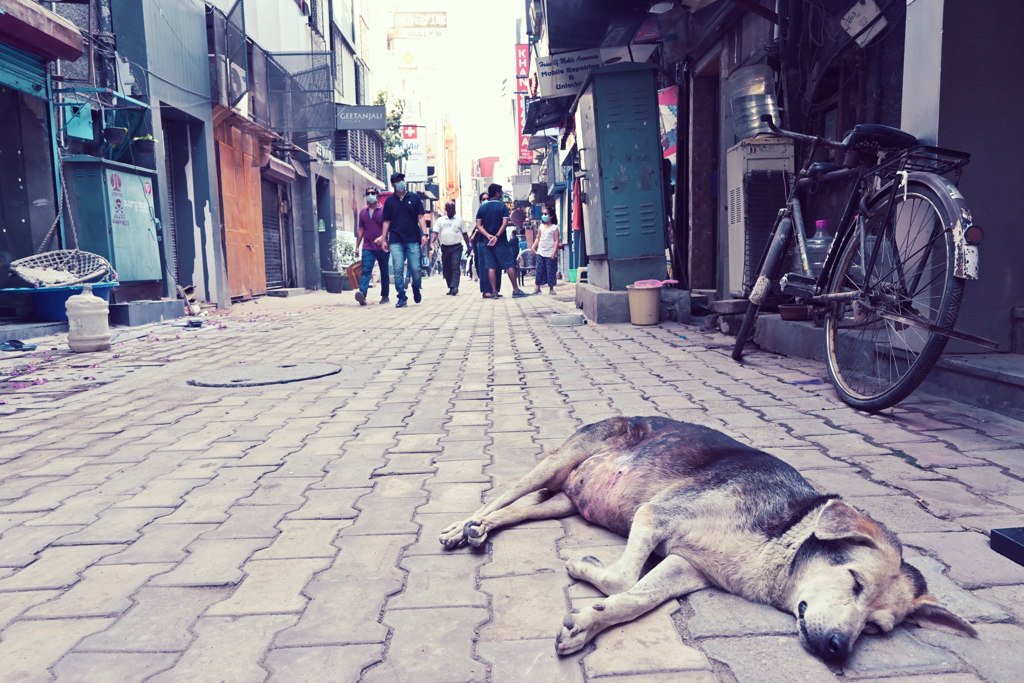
point(564, 74)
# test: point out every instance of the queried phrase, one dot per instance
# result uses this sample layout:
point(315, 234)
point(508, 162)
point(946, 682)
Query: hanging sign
point(564, 74)
point(414, 140)
point(525, 153)
point(358, 117)
point(522, 61)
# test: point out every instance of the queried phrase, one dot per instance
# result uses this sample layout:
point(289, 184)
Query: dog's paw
point(474, 533)
point(453, 536)
point(577, 630)
point(582, 567)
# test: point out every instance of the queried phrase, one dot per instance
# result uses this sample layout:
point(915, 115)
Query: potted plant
point(144, 144)
point(341, 253)
point(114, 136)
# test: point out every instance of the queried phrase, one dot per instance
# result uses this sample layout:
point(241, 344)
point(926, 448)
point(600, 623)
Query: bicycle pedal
point(801, 286)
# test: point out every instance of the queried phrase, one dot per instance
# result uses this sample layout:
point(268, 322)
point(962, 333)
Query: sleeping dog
point(721, 514)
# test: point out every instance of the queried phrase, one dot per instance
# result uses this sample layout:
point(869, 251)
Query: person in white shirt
point(546, 245)
point(451, 231)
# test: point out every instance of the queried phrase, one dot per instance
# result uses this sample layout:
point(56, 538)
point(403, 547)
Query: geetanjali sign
point(414, 140)
point(522, 61)
point(360, 117)
point(525, 153)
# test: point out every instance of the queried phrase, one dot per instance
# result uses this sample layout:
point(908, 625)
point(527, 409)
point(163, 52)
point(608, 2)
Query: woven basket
point(63, 267)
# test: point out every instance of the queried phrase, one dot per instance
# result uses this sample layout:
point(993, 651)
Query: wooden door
point(243, 228)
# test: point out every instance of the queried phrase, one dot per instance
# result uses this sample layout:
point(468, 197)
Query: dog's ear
point(928, 613)
point(840, 522)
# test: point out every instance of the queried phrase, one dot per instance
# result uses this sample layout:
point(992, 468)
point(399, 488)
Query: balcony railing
point(364, 147)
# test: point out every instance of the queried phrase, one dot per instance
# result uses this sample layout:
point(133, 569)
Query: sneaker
point(537, 291)
point(551, 291)
point(495, 295)
point(519, 294)
point(401, 304)
point(385, 300)
point(416, 296)
point(361, 298)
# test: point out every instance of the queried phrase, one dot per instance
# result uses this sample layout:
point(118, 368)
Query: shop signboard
point(414, 140)
point(525, 153)
point(360, 117)
point(563, 74)
point(522, 61)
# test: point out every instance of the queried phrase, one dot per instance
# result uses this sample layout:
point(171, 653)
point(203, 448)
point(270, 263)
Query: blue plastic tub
point(51, 302)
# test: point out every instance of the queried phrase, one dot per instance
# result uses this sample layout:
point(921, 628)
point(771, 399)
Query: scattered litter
point(16, 345)
point(682, 336)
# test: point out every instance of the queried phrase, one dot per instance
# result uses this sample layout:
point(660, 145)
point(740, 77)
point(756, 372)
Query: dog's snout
point(837, 646)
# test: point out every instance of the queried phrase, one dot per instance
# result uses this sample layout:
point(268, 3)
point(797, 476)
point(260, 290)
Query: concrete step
point(286, 292)
point(993, 381)
point(135, 313)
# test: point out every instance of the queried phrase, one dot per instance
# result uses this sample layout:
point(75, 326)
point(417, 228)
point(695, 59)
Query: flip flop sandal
point(15, 345)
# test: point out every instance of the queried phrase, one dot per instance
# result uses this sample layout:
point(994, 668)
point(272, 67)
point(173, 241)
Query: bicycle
point(891, 285)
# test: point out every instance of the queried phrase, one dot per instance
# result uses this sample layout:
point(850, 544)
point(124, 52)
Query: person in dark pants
point(405, 232)
point(492, 221)
point(546, 244)
point(371, 225)
point(451, 232)
point(479, 243)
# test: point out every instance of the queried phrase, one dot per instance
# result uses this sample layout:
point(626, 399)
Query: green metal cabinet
point(621, 169)
point(115, 213)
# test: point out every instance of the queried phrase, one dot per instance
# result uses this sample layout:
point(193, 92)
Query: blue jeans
point(381, 259)
point(401, 254)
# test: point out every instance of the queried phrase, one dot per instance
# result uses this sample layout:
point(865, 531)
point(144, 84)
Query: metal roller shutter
point(272, 235)
point(23, 71)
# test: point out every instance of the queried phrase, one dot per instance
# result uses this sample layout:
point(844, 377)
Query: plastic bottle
point(87, 320)
point(818, 246)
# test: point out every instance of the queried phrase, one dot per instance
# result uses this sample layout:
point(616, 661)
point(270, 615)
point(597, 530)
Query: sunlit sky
point(462, 73)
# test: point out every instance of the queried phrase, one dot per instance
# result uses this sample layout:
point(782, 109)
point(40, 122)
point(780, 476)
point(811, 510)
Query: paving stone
point(847, 445)
point(1010, 598)
point(525, 607)
point(462, 450)
point(274, 490)
point(330, 504)
point(967, 440)
point(227, 649)
point(338, 664)
point(997, 654)
point(768, 659)
point(56, 568)
point(951, 499)
point(897, 652)
point(62, 467)
point(111, 667)
point(103, 591)
point(401, 463)
point(359, 601)
point(440, 581)
point(346, 475)
point(200, 468)
point(44, 499)
point(805, 458)
point(991, 483)
point(964, 604)
point(30, 648)
point(430, 646)
point(717, 613)
point(848, 482)
point(900, 514)
point(19, 546)
point(971, 562)
point(460, 471)
point(13, 605)
point(212, 563)
point(934, 454)
point(115, 525)
point(453, 498)
point(647, 644)
point(160, 621)
point(271, 587)
point(251, 521)
point(524, 549)
point(528, 661)
point(303, 539)
point(208, 505)
point(1012, 460)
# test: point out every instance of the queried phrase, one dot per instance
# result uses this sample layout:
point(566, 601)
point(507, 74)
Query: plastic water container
point(818, 246)
point(87, 320)
point(752, 94)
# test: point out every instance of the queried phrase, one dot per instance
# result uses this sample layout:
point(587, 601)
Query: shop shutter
point(272, 235)
point(23, 71)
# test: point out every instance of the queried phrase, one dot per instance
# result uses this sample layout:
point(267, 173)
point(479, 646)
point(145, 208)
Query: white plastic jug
point(87, 319)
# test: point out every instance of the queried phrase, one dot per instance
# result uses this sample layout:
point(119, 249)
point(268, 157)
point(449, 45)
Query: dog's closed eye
point(871, 628)
point(858, 587)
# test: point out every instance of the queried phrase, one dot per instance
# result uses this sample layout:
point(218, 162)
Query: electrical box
point(114, 209)
point(621, 175)
point(758, 173)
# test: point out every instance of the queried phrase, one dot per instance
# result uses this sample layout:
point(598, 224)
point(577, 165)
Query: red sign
point(409, 132)
point(115, 182)
point(525, 153)
point(522, 61)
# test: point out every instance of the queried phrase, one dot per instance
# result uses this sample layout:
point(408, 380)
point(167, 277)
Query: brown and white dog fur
point(719, 513)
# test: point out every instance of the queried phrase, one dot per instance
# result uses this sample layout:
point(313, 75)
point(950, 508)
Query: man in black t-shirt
point(405, 231)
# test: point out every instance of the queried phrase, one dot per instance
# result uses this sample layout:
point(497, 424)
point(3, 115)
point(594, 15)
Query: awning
point(546, 113)
point(30, 27)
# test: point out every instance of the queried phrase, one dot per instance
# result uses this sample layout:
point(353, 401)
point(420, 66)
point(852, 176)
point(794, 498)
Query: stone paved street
point(157, 531)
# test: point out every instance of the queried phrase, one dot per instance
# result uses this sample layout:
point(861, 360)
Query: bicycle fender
point(965, 256)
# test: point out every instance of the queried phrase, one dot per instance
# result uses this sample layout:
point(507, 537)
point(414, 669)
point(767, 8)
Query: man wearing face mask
point(371, 227)
point(405, 233)
point(492, 222)
point(450, 230)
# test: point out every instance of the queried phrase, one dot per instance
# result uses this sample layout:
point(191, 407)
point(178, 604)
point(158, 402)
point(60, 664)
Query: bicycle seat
point(871, 137)
point(820, 168)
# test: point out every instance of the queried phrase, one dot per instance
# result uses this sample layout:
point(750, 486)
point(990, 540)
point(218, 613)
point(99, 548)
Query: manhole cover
point(275, 373)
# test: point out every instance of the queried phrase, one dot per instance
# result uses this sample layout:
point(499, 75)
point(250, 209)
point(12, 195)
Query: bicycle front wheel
point(875, 362)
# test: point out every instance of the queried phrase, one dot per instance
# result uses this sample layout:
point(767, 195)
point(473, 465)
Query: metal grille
point(300, 94)
point(765, 193)
point(273, 260)
point(172, 226)
point(229, 63)
point(260, 108)
point(365, 147)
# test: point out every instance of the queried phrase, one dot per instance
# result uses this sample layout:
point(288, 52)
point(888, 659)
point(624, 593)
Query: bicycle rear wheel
point(875, 362)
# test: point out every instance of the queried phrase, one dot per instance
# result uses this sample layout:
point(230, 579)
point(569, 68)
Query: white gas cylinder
point(87, 320)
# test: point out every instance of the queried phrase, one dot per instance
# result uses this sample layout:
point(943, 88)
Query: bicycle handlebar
point(767, 118)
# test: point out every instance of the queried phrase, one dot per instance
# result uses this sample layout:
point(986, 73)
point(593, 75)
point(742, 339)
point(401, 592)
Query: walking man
point(371, 227)
point(492, 221)
point(451, 231)
point(405, 233)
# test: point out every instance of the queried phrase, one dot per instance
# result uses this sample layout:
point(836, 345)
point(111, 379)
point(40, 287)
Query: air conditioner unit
point(758, 171)
point(238, 80)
